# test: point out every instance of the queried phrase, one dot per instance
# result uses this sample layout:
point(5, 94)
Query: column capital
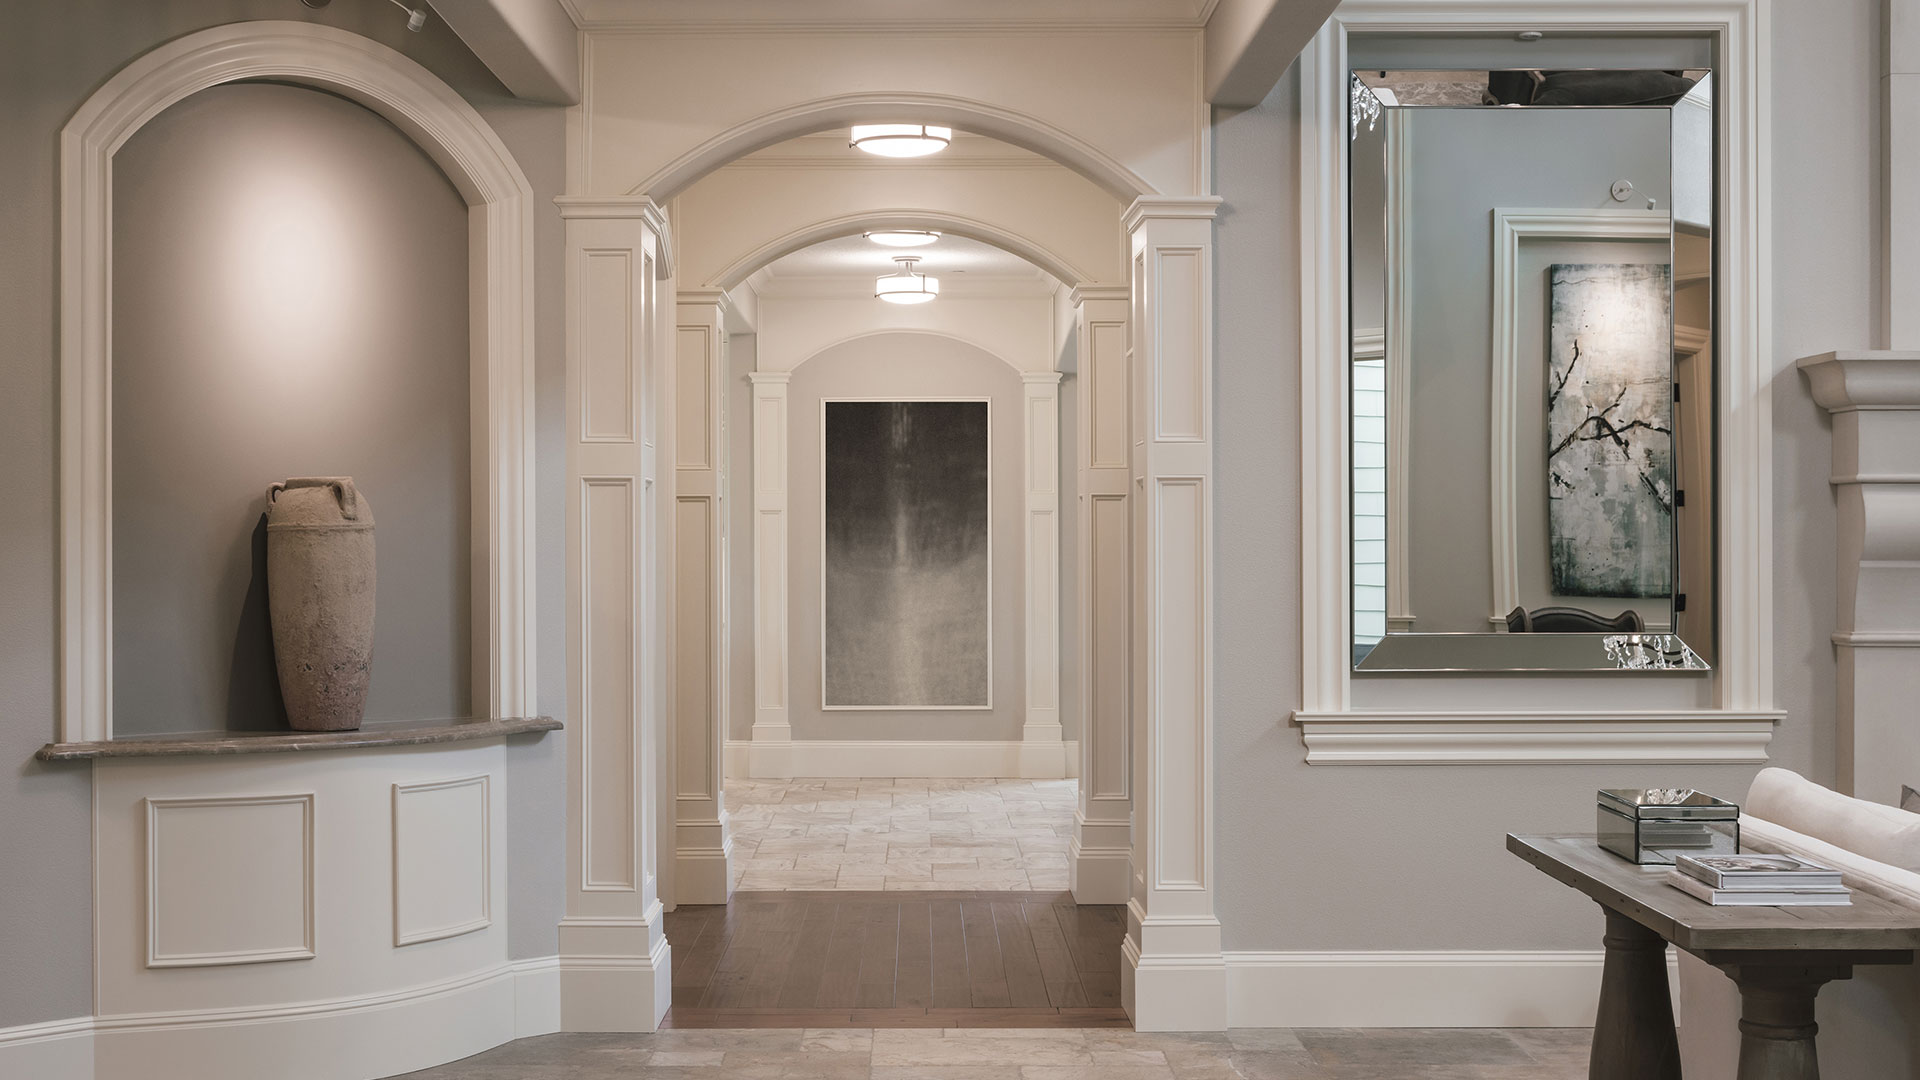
point(769, 378)
point(1169, 207)
point(1040, 378)
point(1878, 379)
point(718, 298)
point(1083, 294)
point(640, 208)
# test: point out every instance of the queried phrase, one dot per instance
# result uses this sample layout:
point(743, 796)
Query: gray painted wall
point(289, 299)
point(51, 57)
point(1441, 828)
point(905, 365)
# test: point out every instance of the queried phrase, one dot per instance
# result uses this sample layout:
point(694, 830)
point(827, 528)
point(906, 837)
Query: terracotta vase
point(320, 599)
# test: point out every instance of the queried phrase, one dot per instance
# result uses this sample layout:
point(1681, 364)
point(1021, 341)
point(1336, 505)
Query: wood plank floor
point(892, 959)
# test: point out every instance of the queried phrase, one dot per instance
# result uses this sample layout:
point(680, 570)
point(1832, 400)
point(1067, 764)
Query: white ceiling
point(849, 265)
point(866, 14)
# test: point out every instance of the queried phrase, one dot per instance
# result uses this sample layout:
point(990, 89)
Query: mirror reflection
point(1532, 370)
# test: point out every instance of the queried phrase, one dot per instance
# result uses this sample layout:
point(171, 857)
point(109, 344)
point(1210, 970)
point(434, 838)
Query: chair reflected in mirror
point(1572, 620)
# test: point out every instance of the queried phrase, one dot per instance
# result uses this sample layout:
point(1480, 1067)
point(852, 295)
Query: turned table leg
point(1633, 1036)
point(1776, 1019)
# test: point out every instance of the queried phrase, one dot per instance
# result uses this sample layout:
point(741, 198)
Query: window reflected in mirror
point(1531, 370)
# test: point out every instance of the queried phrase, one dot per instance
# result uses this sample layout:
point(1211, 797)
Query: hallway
point(901, 834)
point(935, 959)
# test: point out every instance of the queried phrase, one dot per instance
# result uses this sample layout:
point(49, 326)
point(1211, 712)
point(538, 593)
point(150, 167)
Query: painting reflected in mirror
point(1531, 370)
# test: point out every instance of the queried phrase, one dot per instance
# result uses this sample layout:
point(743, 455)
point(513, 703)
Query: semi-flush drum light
point(902, 237)
point(901, 140)
point(906, 287)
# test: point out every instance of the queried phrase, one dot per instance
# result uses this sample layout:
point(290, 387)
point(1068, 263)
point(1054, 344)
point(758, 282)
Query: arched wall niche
point(500, 198)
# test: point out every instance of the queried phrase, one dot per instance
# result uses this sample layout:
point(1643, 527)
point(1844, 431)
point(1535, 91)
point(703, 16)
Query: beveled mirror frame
point(1736, 723)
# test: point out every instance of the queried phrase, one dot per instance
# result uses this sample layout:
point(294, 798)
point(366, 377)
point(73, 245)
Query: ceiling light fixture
point(906, 287)
point(902, 237)
point(901, 140)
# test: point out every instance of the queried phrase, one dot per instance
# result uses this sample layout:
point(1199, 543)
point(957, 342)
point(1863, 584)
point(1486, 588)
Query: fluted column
point(1173, 977)
point(1102, 847)
point(1875, 401)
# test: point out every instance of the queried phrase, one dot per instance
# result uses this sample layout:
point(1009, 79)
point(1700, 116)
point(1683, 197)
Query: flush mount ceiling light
point(902, 237)
point(906, 287)
point(901, 140)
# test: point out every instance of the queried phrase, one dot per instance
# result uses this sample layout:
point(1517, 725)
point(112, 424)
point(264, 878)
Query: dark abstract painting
point(908, 602)
point(1610, 429)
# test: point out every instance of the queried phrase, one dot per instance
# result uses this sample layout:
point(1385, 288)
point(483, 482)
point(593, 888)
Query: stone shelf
point(221, 743)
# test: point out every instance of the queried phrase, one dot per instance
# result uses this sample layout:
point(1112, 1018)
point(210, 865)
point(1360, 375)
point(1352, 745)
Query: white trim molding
point(1743, 677)
point(1416, 989)
point(1539, 737)
point(1100, 853)
point(1875, 401)
point(1040, 576)
point(200, 848)
point(1171, 975)
point(377, 1034)
point(698, 596)
point(1511, 228)
point(888, 759)
point(448, 129)
point(616, 972)
point(772, 659)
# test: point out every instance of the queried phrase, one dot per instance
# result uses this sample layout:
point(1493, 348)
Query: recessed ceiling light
point(906, 287)
point(901, 140)
point(902, 237)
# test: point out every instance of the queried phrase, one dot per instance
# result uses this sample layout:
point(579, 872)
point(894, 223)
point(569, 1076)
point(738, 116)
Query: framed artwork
point(907, 567)
point(1610, 429)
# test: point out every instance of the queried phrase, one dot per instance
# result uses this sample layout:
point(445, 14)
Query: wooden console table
point(1779, 956)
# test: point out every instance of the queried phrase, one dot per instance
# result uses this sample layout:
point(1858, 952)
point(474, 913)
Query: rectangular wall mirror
point(1532, 365)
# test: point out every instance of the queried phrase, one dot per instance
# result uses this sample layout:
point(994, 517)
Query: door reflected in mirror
point(1532, 370)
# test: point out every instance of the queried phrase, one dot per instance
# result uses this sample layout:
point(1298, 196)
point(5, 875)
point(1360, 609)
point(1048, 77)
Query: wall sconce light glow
point(901, 140)
point(902, 237)
point(906, 287)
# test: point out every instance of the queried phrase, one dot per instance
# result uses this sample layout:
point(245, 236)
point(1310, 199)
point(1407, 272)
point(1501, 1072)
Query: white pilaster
point(615, 965)
point(1101, 850)
point(1875, 401)
point(1173, 977)
point(1042, 753)
point(703, 845)
point(772, 729)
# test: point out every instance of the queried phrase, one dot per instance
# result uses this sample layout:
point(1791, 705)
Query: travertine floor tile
point(901, 834)
point(1032, 1054)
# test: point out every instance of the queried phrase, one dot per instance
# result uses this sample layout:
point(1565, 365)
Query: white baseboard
point(349, 1038)
point(846, 759)
point(56, 1050)
point(1415, 989)
point(536, 996)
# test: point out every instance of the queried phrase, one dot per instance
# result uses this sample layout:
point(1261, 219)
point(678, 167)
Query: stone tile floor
point(1036, 1054)
point(905, 834)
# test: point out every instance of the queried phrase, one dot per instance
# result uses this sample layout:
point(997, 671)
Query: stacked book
point(1758, 881)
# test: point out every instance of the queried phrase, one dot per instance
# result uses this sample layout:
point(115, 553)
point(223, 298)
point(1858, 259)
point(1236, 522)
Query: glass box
point(1650, 826)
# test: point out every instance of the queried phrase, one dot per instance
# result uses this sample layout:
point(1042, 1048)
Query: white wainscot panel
point(239, 854)
point(442, 855)
point(229, 880)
